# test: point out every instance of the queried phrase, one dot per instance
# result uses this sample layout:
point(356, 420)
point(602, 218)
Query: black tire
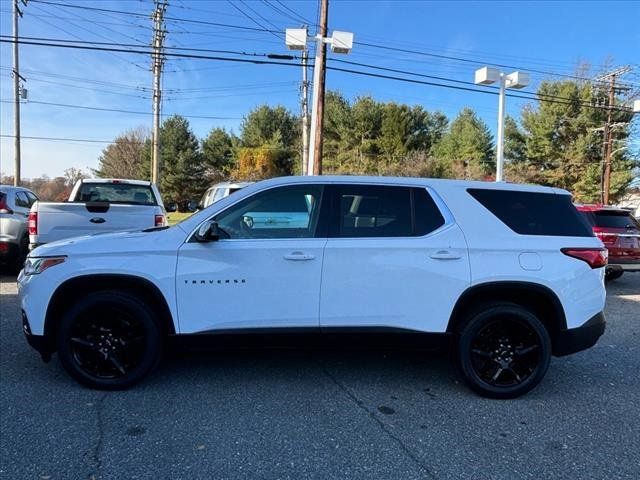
point(610, 275)
point(109, 340)
point(503, 350)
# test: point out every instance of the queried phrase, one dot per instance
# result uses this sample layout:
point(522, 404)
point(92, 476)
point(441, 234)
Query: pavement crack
point(95, 452)
point(361, 405)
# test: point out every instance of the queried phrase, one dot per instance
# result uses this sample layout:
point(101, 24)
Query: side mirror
point(171, 207)
point(209, 232)
point(192, 206)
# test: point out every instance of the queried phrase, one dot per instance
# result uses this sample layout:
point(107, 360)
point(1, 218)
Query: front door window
point(284, 212)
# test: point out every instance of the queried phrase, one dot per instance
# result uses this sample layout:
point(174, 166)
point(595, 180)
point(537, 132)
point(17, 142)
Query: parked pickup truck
point(97, 206)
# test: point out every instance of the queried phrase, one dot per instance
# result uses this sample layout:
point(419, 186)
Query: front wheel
point(503, 351)
point(109, 340)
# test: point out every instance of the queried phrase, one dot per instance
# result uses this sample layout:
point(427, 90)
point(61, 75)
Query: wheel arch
point(541, 300)
point(76, 287)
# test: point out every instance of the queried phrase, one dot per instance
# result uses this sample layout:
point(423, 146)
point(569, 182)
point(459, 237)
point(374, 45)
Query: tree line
point(551, 143)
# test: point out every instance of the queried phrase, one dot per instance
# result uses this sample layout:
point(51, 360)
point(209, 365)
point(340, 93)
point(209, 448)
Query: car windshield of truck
point(121, 193)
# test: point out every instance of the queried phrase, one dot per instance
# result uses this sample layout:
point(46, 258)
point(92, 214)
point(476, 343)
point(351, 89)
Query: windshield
point(123, 193)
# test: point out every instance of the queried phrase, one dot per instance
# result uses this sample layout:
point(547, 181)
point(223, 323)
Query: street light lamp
point(340, 42)
point(487, 76)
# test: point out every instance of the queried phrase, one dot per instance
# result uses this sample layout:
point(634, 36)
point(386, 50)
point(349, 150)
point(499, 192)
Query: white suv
point(510, 274)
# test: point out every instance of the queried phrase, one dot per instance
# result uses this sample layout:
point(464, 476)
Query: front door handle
point(445, 255)
point(97, 220)
point(299, 256)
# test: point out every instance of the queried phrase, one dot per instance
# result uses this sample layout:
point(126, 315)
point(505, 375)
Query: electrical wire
point(117, 110)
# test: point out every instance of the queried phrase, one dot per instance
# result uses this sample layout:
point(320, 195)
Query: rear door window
point(534, 213)
point(383, 211)
point(22, 200)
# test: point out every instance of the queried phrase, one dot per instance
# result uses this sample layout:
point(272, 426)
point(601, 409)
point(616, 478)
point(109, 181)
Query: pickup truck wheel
point(503, 351)
point(109, 340)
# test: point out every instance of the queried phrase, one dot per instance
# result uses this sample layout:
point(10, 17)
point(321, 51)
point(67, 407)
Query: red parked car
point(620, 233)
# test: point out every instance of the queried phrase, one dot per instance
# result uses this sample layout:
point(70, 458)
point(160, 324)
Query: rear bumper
point(625, 266)
point(574, 340)
point(9, 251)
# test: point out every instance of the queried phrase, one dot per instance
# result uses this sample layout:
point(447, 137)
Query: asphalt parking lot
point(299, 415)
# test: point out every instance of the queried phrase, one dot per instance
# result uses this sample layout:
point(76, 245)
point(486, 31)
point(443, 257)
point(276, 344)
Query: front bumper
point(574, 340)
point(39, 343)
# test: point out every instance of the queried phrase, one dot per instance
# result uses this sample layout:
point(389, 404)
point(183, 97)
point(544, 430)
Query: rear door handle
point(299, 256)
point(445, 255)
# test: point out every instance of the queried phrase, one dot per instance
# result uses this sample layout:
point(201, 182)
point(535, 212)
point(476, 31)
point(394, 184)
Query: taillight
point(4, 208)
point(606, 237)
point(595, 257)
point(160, 221)
point(33, 223)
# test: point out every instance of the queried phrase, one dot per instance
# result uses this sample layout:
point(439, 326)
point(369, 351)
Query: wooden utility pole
point(305, 113)
point(608, 132)
point(16, 95)
point(158, 61)
point(606, 180)
point(319, 75)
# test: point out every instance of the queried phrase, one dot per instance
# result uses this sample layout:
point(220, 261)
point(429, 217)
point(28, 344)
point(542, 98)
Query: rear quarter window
point(534, 213)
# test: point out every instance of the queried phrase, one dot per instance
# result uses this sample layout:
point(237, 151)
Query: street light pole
point(341, 42)
point(487, 76)
point(500, 140)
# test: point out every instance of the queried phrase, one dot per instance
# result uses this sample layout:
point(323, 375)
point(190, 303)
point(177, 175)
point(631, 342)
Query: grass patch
point(175, 217)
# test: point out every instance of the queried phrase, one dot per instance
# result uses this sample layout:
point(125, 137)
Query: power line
point(60, 139)
point(117, 110)
point(466, 60)
point(468, 89)
point(4, 39)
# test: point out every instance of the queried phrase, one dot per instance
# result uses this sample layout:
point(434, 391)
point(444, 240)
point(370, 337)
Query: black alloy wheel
point(107, 343)
point(503, 351)
point(109, 340)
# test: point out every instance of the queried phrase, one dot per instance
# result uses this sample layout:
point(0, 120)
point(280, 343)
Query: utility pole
point(16, 94)
point(319, 75)
point(305, 113)
point(608, 132)
point(158, 61)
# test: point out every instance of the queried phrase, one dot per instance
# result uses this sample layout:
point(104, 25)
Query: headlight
point(35, 265)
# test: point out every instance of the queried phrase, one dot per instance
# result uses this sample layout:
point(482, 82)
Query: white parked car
point(510, 274)
point(220, 191)
point(97, 206)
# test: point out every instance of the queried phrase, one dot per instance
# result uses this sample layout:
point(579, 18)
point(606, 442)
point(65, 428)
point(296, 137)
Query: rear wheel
point(611, 274)
point(503, 351)
point(109, 340)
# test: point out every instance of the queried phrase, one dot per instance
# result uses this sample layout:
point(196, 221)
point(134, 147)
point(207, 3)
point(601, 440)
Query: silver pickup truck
point(97, 206)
